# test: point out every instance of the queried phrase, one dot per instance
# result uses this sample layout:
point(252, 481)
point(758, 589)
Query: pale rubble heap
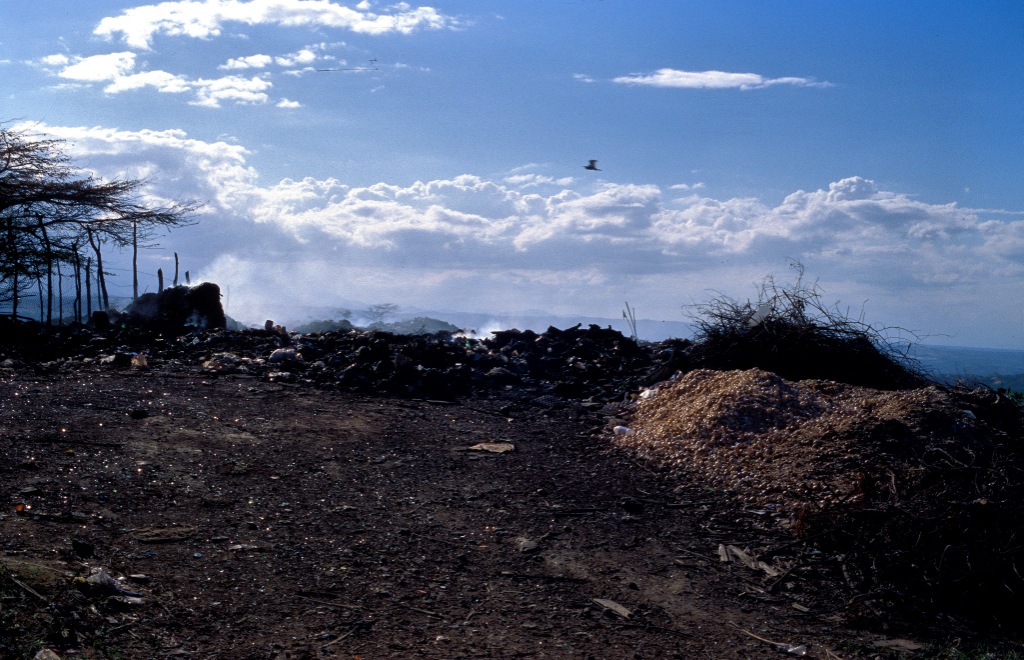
point(801, 446)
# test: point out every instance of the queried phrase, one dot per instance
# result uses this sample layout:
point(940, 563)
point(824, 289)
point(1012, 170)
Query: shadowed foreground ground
point(263, 520)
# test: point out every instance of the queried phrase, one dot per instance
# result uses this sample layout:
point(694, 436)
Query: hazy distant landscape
point(948, 362)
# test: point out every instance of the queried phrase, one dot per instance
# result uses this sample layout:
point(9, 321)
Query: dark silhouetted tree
point(380, 312)
point(51, 210)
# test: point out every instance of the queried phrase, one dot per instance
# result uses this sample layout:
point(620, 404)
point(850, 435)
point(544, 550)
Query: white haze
point(535, 239)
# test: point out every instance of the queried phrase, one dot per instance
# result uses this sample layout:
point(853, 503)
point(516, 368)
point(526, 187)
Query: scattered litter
point(101, 582)
point(902, 645)
point(792, 649)
point(27, 588)
point(524, 544)
point(127, 601)
point(730, 553)
point(46, 654)
point(164, 534)
point(494, 447)
point(227, 363)
point(612, 606)
point(284, 355)
point(238, 547)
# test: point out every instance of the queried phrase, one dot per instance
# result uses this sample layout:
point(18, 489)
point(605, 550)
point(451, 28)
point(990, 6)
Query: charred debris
point(185, 327)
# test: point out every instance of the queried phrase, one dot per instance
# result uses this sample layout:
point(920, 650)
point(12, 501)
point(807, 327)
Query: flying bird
point(592, 166)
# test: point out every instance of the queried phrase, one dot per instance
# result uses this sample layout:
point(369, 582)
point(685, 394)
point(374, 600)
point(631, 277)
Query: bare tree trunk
point(175, 269)
point(14, 261)
point(135, 260)
point(88, 288)
point(78, 284)
point(101, 280)
point(159, 280)
point(48, 252)
point(39, 287)
point(60, 297)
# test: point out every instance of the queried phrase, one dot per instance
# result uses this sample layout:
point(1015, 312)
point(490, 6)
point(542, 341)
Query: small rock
point(524, 544)
point(632, 506)
point(83, 549)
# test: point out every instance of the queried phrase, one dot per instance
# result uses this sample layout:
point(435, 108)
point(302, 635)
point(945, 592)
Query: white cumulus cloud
point(117, 70)
point(161, 81)
point(248, 62)
point(713, 80)
point(203, 19)
point(301, 57)
point(95, 68)
point(56, 60)
point(236, 89)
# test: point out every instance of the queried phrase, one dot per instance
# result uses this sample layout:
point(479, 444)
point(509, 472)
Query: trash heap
point(916, 495)
point(584, 363)
point(576, 362)
point(176, 310)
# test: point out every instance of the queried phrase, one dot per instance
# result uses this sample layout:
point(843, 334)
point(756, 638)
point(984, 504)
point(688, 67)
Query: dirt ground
point(242, 518)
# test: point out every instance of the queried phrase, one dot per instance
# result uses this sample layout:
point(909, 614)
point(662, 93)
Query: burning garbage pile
point(176, 310)
point(151, 318)
point(580, 363)
point(183, 327)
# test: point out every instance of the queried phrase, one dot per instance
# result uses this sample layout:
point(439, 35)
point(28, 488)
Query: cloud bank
point(123, 71)
point(117, 70)
point(533, 240)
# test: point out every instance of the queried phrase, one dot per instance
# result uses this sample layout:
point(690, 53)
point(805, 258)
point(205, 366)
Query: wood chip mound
point(805, 445)
point(917, 494)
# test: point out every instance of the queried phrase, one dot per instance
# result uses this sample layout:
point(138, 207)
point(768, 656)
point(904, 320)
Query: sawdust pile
point(772, 441)
point(921, 491)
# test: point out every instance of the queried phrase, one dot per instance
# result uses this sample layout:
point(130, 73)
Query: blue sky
point(880, 144)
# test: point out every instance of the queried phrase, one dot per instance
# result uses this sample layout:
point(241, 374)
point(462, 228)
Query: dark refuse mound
point(177, 310)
